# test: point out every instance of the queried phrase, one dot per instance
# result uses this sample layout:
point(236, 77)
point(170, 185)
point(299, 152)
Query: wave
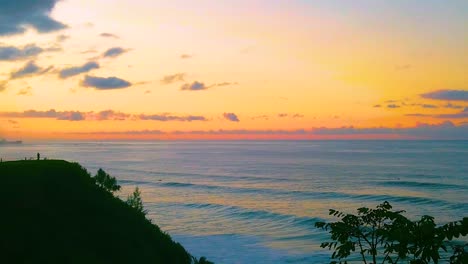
point(231, 211)
point(297, 194)
point(426, 185)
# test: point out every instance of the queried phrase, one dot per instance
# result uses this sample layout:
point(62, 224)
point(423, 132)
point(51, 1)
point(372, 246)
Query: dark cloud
point(377, 106)
point(103, 83)
point(393, 106)
point(231, 117)
point(16, 16)
point(10, 53)
point(186, 56)
point(72, 71)
point(195, 86)
point(448, 95)
point(109, 35)
point(30, 69)
point(167, 117)
point(114, 52)
point(178, 77)
point(25, 91)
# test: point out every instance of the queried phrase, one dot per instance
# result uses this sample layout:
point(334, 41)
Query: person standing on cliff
point(38, 156)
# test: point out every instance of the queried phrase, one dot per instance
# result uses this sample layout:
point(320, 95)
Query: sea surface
point(257, 201)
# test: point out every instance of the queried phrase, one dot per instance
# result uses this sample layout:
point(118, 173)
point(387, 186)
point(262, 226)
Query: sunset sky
point(149, 69)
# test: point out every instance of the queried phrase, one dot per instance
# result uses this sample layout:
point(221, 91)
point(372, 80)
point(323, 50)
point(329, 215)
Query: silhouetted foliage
point(104, 180)
point(53, 212)
point(135, 201)
point(202, 260)
point(384, 236)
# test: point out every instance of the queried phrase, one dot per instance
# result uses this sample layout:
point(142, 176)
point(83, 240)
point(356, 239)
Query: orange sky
point(206, 69)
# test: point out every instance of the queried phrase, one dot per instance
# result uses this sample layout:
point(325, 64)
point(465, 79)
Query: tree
point(105, 181)
point(381, 235)
point(135, 201)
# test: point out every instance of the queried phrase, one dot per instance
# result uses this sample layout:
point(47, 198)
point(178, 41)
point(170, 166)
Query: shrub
point(382, 235)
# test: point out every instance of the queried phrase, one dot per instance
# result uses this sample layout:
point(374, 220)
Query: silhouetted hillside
point(53, 212)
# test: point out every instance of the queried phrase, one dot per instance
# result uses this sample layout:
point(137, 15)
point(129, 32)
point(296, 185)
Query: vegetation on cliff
point(53, 211)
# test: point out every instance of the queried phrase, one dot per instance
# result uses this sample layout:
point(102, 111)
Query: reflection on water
point(257, 202)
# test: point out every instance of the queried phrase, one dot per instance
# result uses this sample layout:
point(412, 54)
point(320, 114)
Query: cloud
point(448, 95)
point(462, 114)
point(102, 83)
point(3, 85)
point(59, 115)
point(25, 91)
point(109, 35)
point(377, 106)
point(167, 117)
point(226, 83)
point(231, 117)
point(29, 69)
point(114, 52)
point(101, 116)
point(429, 106)
point(444, 130)
point(284, 115)
point(62, 38)
point(108, 115)
point(178, 77)
point(88, 51)
point(186, 56)
point(72, 71)
point(264, 117)
point(16, 16)
point(10, 53)
point(195, 86)
point(403, 67)
point(452, 106)
point(393, 106)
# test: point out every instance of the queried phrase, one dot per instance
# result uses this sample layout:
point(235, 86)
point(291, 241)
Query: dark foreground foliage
point(382, 235)
point(53, 212)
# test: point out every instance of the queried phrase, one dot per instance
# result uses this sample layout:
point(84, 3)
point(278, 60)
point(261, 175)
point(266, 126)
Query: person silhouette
point(38, 156)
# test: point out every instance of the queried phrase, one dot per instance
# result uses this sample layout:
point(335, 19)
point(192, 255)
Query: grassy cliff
point(53, 212)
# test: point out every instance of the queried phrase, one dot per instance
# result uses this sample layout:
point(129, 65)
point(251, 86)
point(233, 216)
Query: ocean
point(257, 201)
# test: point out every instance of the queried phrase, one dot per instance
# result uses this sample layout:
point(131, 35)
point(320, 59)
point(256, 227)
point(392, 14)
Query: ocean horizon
point(256, 201)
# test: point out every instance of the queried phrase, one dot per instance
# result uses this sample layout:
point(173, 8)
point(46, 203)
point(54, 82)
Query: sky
point(205, 69)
